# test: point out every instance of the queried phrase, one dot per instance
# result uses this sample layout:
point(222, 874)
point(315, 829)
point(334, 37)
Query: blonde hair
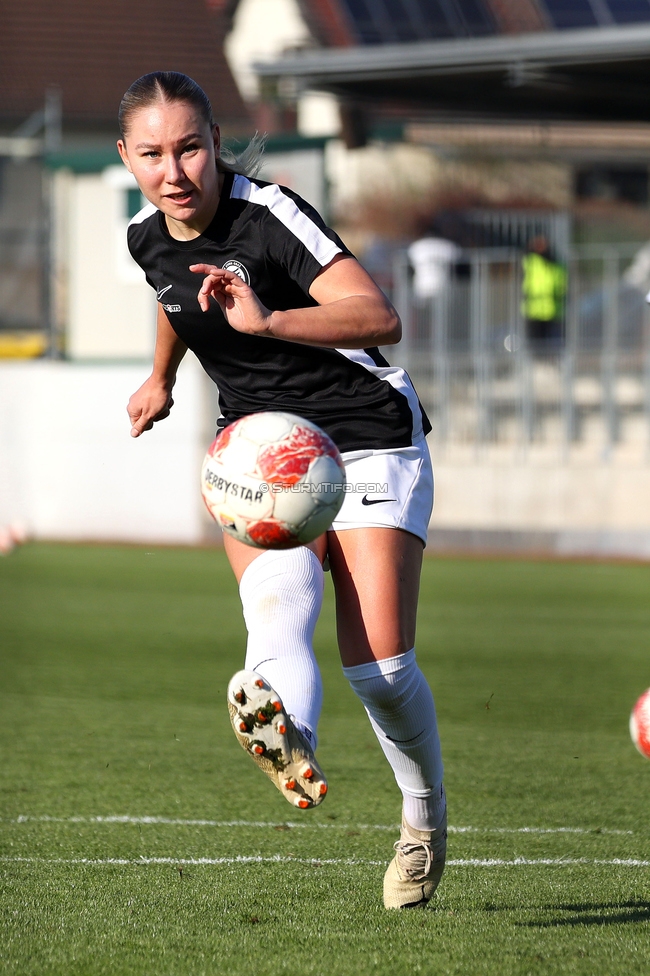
point(246, 163)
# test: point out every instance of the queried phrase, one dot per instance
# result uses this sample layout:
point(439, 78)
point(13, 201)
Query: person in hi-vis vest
point(544, 289)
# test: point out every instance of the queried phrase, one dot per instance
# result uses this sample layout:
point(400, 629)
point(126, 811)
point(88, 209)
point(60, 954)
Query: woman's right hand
point(152, 402)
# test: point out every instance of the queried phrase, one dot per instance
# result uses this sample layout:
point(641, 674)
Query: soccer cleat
point(415, 872)
point(272, 741)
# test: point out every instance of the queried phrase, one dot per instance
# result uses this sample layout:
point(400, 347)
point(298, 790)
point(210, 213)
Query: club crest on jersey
point(238, 268)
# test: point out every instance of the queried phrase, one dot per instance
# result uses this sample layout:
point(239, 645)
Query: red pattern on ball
point(286, 462)
point(271, 534)
point(222, 440)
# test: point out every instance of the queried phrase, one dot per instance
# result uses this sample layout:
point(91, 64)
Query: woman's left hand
point(240, 305)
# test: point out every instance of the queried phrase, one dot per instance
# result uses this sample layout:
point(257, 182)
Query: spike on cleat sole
point(267, 733)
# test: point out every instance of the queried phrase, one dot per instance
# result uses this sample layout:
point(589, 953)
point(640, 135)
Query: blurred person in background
point(431, 259)
point(544, 289)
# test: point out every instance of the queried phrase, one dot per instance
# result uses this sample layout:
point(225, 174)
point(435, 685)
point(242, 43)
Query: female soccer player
point(286, 319)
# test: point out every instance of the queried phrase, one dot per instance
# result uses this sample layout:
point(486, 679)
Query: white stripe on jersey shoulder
point(398, 378)
point(288, 213)
point(142, 215)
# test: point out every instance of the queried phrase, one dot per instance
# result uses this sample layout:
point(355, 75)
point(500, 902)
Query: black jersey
point(277, 243)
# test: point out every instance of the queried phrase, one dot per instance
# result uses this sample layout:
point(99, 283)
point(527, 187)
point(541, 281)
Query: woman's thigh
point(240, 556)
point(376, 575)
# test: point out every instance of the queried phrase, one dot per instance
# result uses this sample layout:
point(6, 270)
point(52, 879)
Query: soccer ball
point(273, 480)
point(640, 724)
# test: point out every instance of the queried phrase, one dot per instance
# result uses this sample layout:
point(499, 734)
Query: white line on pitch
point(182, 861)
point(492, 862)
point(175, 821)
point(627, 862)
point(537, 830)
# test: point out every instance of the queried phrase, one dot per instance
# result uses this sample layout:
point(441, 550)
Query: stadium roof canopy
point(591, 74)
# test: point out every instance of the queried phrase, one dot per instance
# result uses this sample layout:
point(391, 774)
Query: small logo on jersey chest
point(238, 268)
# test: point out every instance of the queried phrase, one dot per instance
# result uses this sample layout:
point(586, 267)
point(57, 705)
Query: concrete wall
point(70, 470)
point(572, 507)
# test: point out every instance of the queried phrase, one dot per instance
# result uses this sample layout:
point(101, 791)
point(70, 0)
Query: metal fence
point(483, 382)
point(23, 245)
point(26, 240)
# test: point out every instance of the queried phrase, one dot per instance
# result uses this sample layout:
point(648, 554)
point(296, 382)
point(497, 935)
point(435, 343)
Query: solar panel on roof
point(476, 16)
point(440, 19)
point(405, 24)
point(393, 21)
point(593, 13)
point(364, 25)
point(571, 13)
point(629, 11)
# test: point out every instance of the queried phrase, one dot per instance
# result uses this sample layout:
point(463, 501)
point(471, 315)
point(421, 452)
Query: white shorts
point(392, 488)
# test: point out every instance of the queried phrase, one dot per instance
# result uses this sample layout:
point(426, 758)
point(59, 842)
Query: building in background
point(64, 197)
point(472, 124)
point(470, 103)
point(486, 124)
point(68, 288)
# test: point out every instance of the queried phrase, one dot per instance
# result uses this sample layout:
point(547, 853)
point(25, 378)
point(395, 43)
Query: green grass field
point(136, 837)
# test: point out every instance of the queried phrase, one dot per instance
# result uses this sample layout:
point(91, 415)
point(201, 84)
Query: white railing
point(484, 383)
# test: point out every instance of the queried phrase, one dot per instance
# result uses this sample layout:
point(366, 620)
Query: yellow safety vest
point(543, 288)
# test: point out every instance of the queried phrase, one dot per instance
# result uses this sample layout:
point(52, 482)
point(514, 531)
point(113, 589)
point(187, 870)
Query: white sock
point(400, 706)
point(281, 593)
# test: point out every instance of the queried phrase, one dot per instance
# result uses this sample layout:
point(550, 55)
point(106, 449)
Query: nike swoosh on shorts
point(376, 501)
